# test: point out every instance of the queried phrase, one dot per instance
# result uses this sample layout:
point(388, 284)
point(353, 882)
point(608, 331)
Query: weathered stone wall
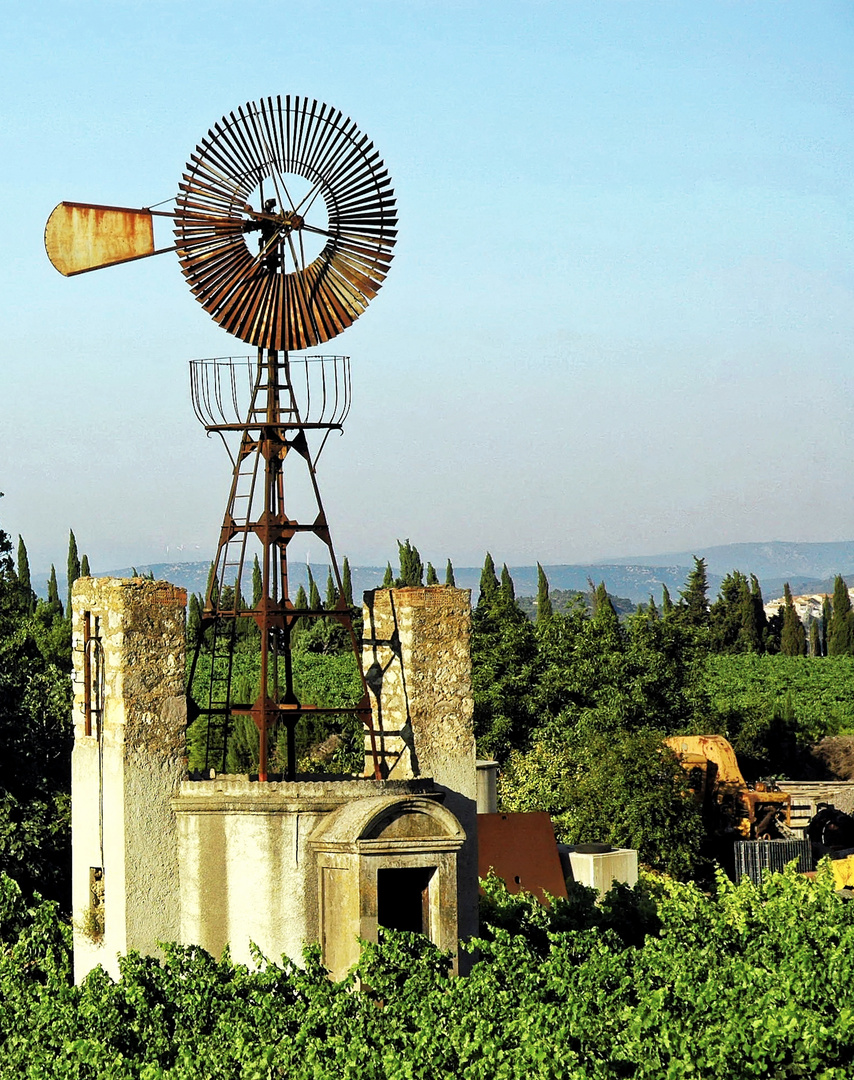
point(250, 874)
point(417, 660)
point(125, 771)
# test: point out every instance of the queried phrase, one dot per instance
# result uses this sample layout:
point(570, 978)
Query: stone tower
point(128, 759)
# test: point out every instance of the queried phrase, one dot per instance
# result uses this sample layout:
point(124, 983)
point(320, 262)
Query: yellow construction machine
point(752, 811)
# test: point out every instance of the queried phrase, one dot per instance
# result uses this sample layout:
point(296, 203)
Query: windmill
point(284, 226)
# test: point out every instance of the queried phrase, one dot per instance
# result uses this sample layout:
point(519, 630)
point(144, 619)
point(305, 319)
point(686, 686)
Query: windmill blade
point(80, 237)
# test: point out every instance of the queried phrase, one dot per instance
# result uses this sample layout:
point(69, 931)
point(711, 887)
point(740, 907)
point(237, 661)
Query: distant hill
point(809, 568)
point(775, 559)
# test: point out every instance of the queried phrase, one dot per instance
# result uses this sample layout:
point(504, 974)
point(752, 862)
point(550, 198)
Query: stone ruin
point(229, 861)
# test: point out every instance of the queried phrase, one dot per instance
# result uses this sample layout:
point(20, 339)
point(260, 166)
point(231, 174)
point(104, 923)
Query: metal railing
point(312, 391)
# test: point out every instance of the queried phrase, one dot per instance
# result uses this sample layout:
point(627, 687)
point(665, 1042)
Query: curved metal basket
point(230, 392)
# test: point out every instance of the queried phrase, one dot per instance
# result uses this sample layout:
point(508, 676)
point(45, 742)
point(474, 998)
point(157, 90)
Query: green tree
point(388, 577)
point(53, 592)
point(73, 566)
point(84, 566)
point(211, 588)
point(488, 582)
point(411, 567)
point(693, 608)
point(194, 619)
point(727, 614)
point(449, 575)
point(622, 788)
point(313, 591)
point(432, 577)
point(815, 638)
point(506, 589)
point(754, 621)
point(35, 738)
point(774, 631)
point(257, 583)
point(603, 610)
point(331, 601)
point(666, 601)
point(793, 640)
point(840, 635)
point(544, 603)
point(24, 582)
point(347, 583)
point(825, 623)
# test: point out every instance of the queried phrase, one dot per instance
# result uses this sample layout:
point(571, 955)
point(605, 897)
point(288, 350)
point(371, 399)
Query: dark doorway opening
point(403, 898)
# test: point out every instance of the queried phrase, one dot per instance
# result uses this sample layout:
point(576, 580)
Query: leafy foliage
point(658, 981)
point(772, 707)
point(35, 736)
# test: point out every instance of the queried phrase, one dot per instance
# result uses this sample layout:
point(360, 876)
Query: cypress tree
point(432, 577)
point(602, 605)
point(825, 624)
point(347, 583)
point(257, 583)
point(331, 601)
point(753, 620)
point(84, 566)
point(815, 638)
point(211, 589)
point(605, 616)
point(666, 602)
point(449, 575)
point(313, 591)
point(793, 638)
point(73, 565)
point(23, 565)
point(652, 610)
point(544, 602)
point(411, 567)
point(488, 582)
point(840, 636)
point(24, 580)
point(507, 590)
point(298, 626)
point(53, 592)
point(694, 606)
point(388, 578)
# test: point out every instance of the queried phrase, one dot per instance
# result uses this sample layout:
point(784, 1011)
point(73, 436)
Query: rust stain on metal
point(82, 236)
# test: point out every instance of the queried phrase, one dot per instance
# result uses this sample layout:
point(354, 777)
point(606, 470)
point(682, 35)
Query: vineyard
point(663, 981)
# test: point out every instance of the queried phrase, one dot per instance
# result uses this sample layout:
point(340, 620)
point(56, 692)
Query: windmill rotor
point(278, 297)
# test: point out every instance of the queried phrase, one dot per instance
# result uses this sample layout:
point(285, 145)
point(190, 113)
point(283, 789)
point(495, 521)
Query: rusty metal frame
point(93, 664)
point(274, 425)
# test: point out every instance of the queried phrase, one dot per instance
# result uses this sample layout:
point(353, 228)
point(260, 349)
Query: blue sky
point(620, 316)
